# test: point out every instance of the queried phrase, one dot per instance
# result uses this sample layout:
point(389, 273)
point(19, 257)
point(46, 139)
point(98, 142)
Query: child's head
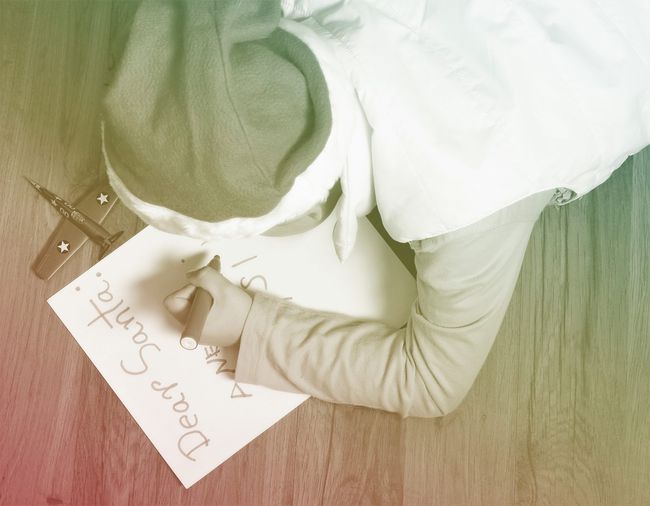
point(219, 124)
point(215, 111)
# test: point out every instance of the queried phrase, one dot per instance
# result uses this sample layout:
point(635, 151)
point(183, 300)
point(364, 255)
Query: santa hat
point(219, 122)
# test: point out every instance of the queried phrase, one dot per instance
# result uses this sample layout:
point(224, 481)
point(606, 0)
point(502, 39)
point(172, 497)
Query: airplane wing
point(67, 238)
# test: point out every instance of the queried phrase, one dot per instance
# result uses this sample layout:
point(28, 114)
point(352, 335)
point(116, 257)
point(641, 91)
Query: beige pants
point(465, 281)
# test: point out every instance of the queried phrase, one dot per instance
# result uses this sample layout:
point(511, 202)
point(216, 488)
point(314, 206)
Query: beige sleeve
point(465, 281)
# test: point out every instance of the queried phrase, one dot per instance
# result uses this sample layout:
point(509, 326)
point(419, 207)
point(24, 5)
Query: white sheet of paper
point(187, 402)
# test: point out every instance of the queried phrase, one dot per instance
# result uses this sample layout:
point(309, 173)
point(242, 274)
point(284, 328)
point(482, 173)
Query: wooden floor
point(558, 416)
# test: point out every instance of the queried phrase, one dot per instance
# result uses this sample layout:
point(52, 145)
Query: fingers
point(228, 312)
point(178, 303)
point(209, 279)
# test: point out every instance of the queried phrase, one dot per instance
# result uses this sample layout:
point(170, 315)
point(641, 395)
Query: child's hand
point(229, 310)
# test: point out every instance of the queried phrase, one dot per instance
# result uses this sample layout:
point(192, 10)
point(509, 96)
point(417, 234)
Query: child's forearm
point(329, 356)
point(421, 370)
point(465, 280)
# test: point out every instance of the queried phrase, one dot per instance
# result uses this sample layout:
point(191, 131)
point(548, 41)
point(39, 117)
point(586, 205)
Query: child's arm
point(465, 280)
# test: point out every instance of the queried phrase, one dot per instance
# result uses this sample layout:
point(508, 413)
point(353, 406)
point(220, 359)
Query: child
point(461, 122)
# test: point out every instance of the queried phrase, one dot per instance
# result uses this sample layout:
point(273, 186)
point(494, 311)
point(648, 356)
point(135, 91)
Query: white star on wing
point(102, 198)
point(63, 246)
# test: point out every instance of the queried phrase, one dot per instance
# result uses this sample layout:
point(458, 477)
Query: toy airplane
point(80, 223)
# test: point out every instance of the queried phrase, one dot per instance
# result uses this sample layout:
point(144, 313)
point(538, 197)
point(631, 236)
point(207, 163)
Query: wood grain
point(558, 414)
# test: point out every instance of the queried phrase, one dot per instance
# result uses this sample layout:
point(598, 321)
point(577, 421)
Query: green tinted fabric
point(214, 110)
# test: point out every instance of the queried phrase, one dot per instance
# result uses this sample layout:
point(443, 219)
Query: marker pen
point(201, 304)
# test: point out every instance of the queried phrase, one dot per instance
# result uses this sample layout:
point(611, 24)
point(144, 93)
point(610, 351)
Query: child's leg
point(465, 280)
